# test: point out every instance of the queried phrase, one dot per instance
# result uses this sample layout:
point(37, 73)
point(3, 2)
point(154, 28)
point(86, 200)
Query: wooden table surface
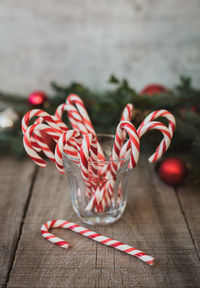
point(159, 220)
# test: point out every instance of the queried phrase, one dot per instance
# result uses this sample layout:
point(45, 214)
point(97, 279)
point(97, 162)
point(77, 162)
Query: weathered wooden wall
point(143, 40)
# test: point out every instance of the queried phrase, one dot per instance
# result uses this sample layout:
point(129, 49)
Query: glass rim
point(99, 161)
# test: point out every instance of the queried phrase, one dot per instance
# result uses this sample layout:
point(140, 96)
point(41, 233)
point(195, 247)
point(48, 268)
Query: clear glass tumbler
point(102, 199)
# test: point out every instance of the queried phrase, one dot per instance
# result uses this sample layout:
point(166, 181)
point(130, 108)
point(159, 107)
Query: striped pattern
point(92, 235)
point(53, 133)
point(164, 145)
point(30, 150)
point(42, 117)
point(69, 142)
point(118, 143)
point(160, 113)
point(38, 113)
point(127, 113)
point(79, 117)
point(89, 152)
point(81, 145)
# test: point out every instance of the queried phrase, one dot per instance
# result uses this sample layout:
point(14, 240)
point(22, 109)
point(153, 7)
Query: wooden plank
point(189, 198)
point(153, 222)
point(15, 183)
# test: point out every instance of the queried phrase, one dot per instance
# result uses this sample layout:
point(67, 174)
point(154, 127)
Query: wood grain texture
point(189, 197)
point(153, 222)
point(15, 183)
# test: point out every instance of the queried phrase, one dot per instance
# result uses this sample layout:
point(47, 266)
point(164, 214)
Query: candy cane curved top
point(37, 113)
point(127, 113)
point(160, 113)
point(92, 235)
point(118, 143)
point(75, 100)
point(73, 115)
point(27, 140)
point(63, 140)
point(164, 145)
point(42, 143)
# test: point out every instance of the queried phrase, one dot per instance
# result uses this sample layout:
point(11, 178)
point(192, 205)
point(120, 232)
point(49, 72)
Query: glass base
point(101, 219)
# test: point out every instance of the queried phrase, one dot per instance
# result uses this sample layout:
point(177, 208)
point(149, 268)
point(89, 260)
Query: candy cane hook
point(92, 235)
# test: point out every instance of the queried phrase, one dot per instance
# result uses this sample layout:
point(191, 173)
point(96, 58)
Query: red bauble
point(37, 98)
point(152, 89)
point(172, 171)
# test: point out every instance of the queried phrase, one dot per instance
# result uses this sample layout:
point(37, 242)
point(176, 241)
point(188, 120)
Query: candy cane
point(53, 133)
point(89, 148)
point(80, 109)
point(114, 165)
point(160, 113)
point(75, 100)
point(127, 113)
point(37, 113)
point(63, 140)
point(92, 235)
point(29, 148)
point(73, 115)
point(118, 143)
point(42, 117)
point(164, 145)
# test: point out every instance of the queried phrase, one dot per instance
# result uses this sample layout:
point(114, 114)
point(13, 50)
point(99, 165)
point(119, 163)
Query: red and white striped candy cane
point(127, 113)
point(73, 115)
point(118, 143)
point(149, 118)
point(63, 140)
point(114, 165)
point(29, 148)
point(89, 152)
point(164, 145)
point(43, 117)
point(160, 113)
point(79, 109)
point(38, 113)
point(76, 101)
point(92, 235)
point(53, 133)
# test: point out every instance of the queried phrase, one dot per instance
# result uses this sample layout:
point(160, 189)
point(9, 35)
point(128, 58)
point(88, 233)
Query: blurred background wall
point(87, 40)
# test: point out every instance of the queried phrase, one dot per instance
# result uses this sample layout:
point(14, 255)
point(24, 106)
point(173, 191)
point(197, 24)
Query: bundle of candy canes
point(81, 145)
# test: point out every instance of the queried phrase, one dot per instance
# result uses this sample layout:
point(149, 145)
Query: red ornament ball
point(152, 89)
point(172, 171)
point(37, 98)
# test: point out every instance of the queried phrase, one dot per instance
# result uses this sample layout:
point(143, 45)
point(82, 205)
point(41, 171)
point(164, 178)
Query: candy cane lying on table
point(92, 235)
